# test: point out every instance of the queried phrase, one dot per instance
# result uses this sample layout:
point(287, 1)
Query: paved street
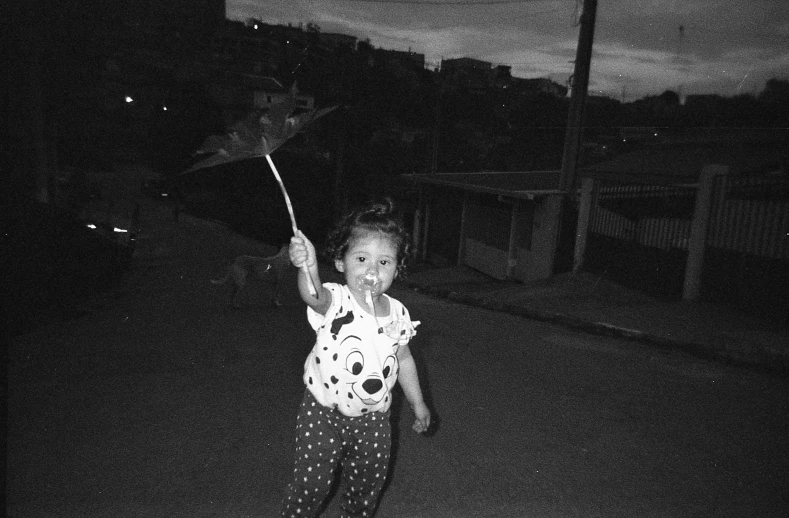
point(164, 402)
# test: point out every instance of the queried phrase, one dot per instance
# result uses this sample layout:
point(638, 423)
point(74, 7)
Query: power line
point(440, 3)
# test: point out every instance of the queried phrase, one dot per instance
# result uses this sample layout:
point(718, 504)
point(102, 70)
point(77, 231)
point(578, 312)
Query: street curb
point(767, 363)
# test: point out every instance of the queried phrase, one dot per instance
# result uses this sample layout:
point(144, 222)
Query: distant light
point(164, 108)
point(91, 225)
point(129, 99)
point(255, 26)
point(121, 230)
point(165, 195)
point(656, 134)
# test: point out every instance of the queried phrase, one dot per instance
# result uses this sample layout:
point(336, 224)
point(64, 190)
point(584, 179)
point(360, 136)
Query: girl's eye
point(384, 262)
point(360, 259)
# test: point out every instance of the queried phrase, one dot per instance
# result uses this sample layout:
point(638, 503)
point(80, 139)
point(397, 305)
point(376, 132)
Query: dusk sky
point(641, 48)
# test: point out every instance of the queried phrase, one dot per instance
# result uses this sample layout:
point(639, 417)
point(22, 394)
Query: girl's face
point(371, 259)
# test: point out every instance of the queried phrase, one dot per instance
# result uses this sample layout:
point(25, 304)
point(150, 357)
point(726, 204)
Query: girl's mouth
point(368, 282)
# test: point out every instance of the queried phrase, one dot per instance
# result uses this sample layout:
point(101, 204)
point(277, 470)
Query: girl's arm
point(302, 252)
point(409, 381)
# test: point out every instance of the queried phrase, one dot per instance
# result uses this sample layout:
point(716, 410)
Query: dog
point(274, 269)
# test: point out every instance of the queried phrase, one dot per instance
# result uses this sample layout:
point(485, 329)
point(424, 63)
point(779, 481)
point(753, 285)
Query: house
point(503, 224)
point(452, 66)
point(539, 85)
point(406, 59)
point(703, 219)
point(338, 41)
point(270, 92)
point(472, 74)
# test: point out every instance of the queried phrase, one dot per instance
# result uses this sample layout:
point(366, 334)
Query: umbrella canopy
point(257, 135)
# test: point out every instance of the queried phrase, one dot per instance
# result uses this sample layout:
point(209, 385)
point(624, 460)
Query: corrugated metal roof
point(514, 184)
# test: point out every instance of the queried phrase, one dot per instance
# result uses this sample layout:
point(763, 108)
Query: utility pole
point(579, 87)
point(572, 139)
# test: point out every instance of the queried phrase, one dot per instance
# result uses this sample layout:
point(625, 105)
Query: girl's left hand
point(422, 422)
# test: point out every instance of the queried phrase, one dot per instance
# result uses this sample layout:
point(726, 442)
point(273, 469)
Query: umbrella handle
point(313, 291)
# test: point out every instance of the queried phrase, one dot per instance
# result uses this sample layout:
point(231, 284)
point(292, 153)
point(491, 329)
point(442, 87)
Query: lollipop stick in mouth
point(369, 299)
point(368, 283)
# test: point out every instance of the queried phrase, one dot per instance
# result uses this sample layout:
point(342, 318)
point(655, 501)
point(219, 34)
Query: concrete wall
point(534, 260)
point(510, 238)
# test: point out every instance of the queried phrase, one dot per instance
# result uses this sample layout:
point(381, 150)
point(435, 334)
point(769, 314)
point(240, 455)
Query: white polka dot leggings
point(325, 440)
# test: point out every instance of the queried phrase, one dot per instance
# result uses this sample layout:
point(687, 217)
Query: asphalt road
point(184, 407)
point(163, 401)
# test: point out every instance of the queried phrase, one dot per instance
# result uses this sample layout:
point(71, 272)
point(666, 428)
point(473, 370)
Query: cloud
point(724, 46)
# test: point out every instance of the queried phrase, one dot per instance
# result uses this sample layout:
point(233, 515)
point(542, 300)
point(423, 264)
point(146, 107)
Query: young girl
point(360, 352)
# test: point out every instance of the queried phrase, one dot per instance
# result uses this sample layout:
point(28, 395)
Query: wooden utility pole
point(572, 139)
point(579, 87)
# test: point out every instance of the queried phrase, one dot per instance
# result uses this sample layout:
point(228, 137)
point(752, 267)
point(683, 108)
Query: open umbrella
point(259, 134)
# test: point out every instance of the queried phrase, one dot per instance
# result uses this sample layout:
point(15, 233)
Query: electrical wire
point(440, 3)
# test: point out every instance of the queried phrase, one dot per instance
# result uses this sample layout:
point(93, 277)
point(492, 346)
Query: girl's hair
point(376, 217)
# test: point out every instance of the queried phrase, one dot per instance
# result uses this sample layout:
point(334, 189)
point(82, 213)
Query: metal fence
point(640, 235)
point(650, 215)
point(750, 215)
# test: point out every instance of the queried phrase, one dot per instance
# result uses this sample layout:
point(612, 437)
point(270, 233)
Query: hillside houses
point(481, 77)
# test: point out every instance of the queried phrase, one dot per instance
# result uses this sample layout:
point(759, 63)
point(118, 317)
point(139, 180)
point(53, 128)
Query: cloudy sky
point(641, 47)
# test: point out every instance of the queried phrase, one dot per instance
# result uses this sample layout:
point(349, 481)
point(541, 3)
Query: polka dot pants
point(326, 440)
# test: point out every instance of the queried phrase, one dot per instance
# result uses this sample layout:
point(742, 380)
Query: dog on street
point(272, 270)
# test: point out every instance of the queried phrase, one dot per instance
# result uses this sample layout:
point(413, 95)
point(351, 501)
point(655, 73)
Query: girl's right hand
point(301, 251)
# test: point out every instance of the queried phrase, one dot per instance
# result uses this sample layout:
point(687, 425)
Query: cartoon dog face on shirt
point(365, 377)
point(354, 359)
point(356, 369)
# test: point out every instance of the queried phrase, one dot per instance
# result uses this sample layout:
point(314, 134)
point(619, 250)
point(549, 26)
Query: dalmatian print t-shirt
point(353, 365)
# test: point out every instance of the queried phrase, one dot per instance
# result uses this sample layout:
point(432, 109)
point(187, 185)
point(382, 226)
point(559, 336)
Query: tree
point(670, 97)
point(775, 90)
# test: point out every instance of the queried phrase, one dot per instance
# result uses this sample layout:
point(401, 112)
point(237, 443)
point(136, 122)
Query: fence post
point(698, 230)
point(582, 228)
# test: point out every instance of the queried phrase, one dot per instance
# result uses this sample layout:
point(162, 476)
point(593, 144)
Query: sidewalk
point(591, 303)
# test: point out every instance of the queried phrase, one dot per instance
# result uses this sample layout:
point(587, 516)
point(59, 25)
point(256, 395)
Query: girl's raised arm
point(302, 253)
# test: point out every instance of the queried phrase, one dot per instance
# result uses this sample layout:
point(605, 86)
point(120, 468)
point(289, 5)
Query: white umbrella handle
point(313, 291)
